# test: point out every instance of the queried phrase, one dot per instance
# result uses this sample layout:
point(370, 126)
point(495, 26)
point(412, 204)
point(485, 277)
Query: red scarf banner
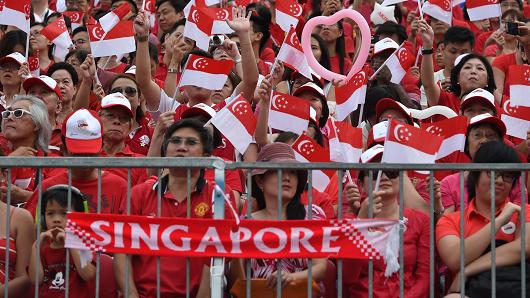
point(197, 237)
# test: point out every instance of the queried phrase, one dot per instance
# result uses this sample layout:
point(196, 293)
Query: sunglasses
point(390, 174)
point(18, 113)
point(127, 91)
point(508, 177)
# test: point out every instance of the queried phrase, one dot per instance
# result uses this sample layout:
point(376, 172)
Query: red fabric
point(416, 268)
point(138, 175)
point(120, 68)
point(232, 178)
point(502, 63)
point(526, 10)
point(113, 192)
point(322, 200)
point(94, 103)
point(161, 70)
point(140, 141)
point(449, 100)
point(480, 41)
point(334, 62)
point(53, 262)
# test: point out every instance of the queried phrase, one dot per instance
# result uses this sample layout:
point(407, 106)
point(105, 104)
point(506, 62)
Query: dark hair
point(391, 28)
point(139, 113)
point(459, 35)
point(10, 40)
point(79, 29)
point(491, 152)
point(59, 194)
point(294, 210)
point(80, 54)
point(373, 95)
point(181, 22)
point(455, 85)
point(260, 19)
point(197, 125)
point(63, 65)
point(324, 53)
point(340, 48)
point(519, 3)
point(132, 4)
point(178, 5)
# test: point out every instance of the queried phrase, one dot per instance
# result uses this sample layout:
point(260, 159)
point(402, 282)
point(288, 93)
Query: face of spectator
point(220, 95)
point(9, 74)
point(394, 114)
point(452, 50)
point(509, 4)
point(197, 94)
point(72, 60)
point(314, 101)
point(116, 124)
point(479, 135)
point(268, 182)
point(389, 186)
point(329, 7)
point(378, 60)
point(66, 84)
point(330, 33)
point(77, 5)
point(167, 16)
point(315, 48)
point(439, 55)
point(37, 41)
point(16, 129)
point(475, 109)
point(55, 215)
point(502, 186)
point(438, 27)
point(81, 41)
point(473, 75)
point(50, 99)
point(129, 89)
point(185, 142)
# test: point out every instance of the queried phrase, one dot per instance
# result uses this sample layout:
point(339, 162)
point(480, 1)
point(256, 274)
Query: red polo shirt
point(140, 138)
point(144, 200)
point(138, 175)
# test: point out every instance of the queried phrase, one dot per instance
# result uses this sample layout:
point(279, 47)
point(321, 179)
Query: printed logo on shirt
point(508, 228)
point(144, 140)
point(223, 145)
point(58, 282)
point(201, 209)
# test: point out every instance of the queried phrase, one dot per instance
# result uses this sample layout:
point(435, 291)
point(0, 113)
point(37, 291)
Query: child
point(52, 263)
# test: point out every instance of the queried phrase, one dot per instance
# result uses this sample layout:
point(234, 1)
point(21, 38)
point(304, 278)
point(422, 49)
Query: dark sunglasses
point(127, 91)
point(390, 174)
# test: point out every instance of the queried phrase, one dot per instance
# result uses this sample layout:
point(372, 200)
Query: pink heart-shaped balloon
point(323, 20)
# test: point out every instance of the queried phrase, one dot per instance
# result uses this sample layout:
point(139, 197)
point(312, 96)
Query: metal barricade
point(219, 166)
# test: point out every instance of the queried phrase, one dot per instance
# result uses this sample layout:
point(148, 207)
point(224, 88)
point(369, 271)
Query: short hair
point(373, 95)
point(455, 85)
point(260, 18)
point(39, 115)
point(59, 194)
point(459, 35)
point(392, 28)
point(10, 40)
point(80, 54)
point(79, 29)
point(491, 152)
point(196, 125)
point(63, 65)
point(178, 5)
point(324, 52)
point(519, 3)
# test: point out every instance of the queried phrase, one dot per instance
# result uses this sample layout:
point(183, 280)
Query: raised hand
point(240, 22)
point(88, 68)
point(141, 24)
point(426, 34)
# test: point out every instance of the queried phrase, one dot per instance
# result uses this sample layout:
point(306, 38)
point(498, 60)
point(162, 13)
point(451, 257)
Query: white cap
point(384, 44)
point(382, 14)
point(131, 70)
point(479, 95)
point(116, 100)
point(371, 153)
point(83, 131)
point(15, 57)
point(44, 81)
point(487, 118)
point(459, 58)
point(310, 86)
point(378, 133)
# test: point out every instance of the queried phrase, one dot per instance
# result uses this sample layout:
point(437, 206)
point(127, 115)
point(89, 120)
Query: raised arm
point(432, 91)
point(88, 72)
point(262, 125)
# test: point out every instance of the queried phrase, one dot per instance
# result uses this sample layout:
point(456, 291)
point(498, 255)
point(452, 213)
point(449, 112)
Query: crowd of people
point(132, 106)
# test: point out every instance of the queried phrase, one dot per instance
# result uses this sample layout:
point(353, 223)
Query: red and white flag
point(408, 144)
point(206, 72)
point(15, 13)
point(351, 95)
point(119, 40)
point(292, 54)
point(115, 16)
point(237, 123)
point(201, 3)
point(307, 150)
point(76, 18)
point(439, 9)
point(288, 113)
point(150, 10)
point(516, 119)
point(519, 81)
point(399, 63)
point(391, 2)
point(199, 27)
point(483, 9)
point(34, 66)
point(287, 14)
point(345, 142)
point(57, 33)
point(220, 16)
point(453, 131)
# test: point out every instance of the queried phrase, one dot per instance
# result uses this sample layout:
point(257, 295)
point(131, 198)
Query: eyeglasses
point(130, 91)
point(390, 174)
point(507, 177)
point(189, 141)
point(479, 135)
point(123, 118)
point(18, 113)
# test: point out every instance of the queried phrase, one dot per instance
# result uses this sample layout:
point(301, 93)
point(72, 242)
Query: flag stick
point(361, 111)
point(418, 56)
point(143, 6)
point(378, 180)
point(273, 68)
point(27, 47)
point(420, 10)
point(384, 63)
point(343, 155)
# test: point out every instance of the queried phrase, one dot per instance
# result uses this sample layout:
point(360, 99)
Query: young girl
point(52, 262)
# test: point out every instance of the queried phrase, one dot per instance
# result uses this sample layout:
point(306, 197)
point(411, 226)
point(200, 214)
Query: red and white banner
point(287, 14)
point(516, 119)
point(519, 81)
point(119, 40)
point(292, 54)
point(307, 150)
point(15, 13)
point(453, 131)
point(483, 9)
point(288, 113)
point(399, 63)
point(375, 239)
point(351, 95)
point(439, 9)
point(205, 72)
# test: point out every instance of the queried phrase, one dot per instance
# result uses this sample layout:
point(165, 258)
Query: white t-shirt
point(438, 76)
point(166, 104)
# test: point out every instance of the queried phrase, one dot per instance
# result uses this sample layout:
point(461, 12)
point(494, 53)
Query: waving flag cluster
point(57, 33)
point(15, 13)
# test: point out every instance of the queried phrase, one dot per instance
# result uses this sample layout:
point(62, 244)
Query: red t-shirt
point(480, 41)
point(120, 68)
point(503, 63)
point(138, 175)
point(53, 262)
point(113, 192)
point(144, 200)
point(335, 67)
point(449, 100)
point(141, 137)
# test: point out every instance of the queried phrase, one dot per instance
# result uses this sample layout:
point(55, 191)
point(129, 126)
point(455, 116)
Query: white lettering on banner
point(327, 239)
point(236, 239)
point(282, 239)
point(211, 237)
point(96, 227)
point(296, 240)
point(166, 238)
point(138, 233)
point(118, 234)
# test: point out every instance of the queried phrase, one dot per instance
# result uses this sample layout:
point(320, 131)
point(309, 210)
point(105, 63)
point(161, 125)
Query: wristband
point(238, 60)
point(173, 70)
point(427, 52)
point(441, 212)
point(142, 38)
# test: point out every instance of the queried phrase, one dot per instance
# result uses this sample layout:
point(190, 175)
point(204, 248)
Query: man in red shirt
point(82, 134)
point(185, 138)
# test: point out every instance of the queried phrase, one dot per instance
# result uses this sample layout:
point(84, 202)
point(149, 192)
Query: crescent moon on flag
point(194, 16)
point(301, 144)
point(95, 33)
point(273, 102)
point(237, 104)
point(430, 128)
point(396, 132)
point(505, 106)
point(194, 64)
point(292, 39)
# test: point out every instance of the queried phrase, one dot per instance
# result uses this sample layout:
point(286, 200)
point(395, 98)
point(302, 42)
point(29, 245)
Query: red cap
point(390, 104)
point(487, 118)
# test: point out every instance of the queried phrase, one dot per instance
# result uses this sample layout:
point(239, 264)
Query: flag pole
point(361, 111)
point(420, 10)
point(27, 46)
point(418, 56)
point(384, 63)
